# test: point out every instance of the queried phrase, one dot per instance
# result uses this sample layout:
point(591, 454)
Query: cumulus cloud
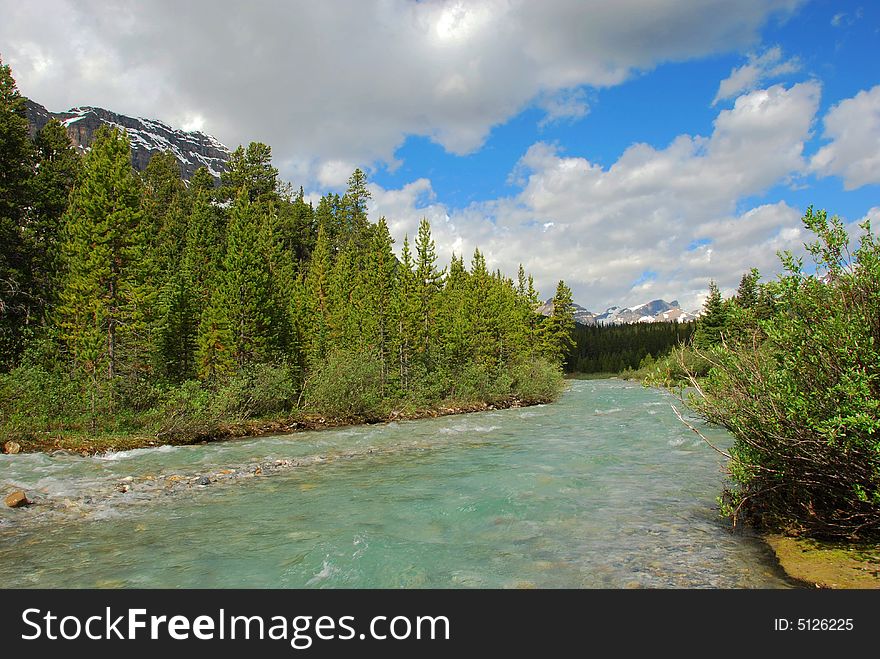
point(348, 81)
point(759, 69)
point(853, 126)
point(671, 211)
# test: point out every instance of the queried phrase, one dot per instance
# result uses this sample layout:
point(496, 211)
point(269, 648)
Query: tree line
point(132, 293)
point(618, 348)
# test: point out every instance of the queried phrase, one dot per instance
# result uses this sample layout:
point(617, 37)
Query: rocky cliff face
point(148, 136)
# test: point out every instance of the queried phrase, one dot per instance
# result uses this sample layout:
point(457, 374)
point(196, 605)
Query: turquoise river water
point(605, 488)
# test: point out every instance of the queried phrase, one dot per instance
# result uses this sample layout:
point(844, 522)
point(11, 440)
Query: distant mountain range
point(193, 149)
point(655, 311)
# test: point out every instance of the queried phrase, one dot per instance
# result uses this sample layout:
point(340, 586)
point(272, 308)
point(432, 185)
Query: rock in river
point(17, 499)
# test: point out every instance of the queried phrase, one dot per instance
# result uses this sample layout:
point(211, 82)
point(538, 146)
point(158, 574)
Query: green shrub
point(186, 412)
point(33, 399)
point(257, 391)
point(536, 380)
point(347, 385)
point(803, 404)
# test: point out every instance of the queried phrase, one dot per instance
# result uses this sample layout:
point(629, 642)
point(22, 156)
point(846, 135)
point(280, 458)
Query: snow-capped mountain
point(193, 149)
point(581, 315)
point(655, 311)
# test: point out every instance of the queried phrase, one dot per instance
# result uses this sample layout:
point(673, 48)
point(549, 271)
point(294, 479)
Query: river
point(605, 488)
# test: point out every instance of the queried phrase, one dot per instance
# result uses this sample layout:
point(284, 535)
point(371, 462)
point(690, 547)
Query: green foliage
point(103, 298)
point(804, 403)
point(17, 158)
point(713, 324)
point(624, 348)
point(166, 309)
point(556, 329)
point(347, 385)
point(535, 380)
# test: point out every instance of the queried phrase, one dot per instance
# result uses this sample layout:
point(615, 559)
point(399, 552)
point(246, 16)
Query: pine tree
point(379, 292)
point(251, 169)
point(713, 323)
point(353, 211)
point(100, 314)
point(215, 359)
point(429, 281)
point(556, 330)
point(317, 289)
point(453, 320)
point(245, 288)
point(406, 311)
point(16, 169)
point(201, 181)
point(747, 293)
point(59, 165)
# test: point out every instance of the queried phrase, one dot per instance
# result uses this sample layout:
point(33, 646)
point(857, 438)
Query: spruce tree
point(429, 281)
point(556, 330)
point(58, 168)
point(747, 293)
point(317, 288)
point(379, 292)
point(16, 169)
point(251, 169)
point(245, 287)
point(713, 323)
point(100, 315)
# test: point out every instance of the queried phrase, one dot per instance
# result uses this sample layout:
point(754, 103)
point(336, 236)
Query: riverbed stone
point(204, 480)
point(17, 499)
point(12, 447)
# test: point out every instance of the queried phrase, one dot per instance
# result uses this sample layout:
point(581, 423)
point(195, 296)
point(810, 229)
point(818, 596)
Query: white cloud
point(349, 80)
point(843, 19)
point(853, 126)
point(759, 69)
point(564, 105)
point(669, 211)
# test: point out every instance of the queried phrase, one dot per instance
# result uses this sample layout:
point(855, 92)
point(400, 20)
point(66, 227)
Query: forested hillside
point(136, 302)
point(617, 348)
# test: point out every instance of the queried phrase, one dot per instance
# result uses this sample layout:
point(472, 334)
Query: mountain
point(581, 315)
point(193, 149)
point(655, 311)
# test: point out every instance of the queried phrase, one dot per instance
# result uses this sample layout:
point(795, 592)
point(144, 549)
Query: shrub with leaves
point(802, 399)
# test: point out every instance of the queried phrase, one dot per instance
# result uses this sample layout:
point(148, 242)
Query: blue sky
point(635, 149)
point(658, 104)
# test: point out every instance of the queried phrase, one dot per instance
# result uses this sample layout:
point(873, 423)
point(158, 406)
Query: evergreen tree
point(406, 310)
point(251, 169)
point(245, 288)
point(712, 324)
point(556, 330)
point(215, 359)
point(317, 289)
point(16, 170)
point(57, 171)
point(747, 293)
point(201, 181)
point(354, 205)
point(379, 291)
point(100, 315)
point(429, 281)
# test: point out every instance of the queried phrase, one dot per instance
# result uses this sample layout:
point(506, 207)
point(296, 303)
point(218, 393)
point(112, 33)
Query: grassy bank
point(85, 443)
point(42, 410)
point(827, 564)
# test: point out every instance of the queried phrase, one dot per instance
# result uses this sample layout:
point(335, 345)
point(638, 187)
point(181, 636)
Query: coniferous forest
point(618, 348)
point(139, 303)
